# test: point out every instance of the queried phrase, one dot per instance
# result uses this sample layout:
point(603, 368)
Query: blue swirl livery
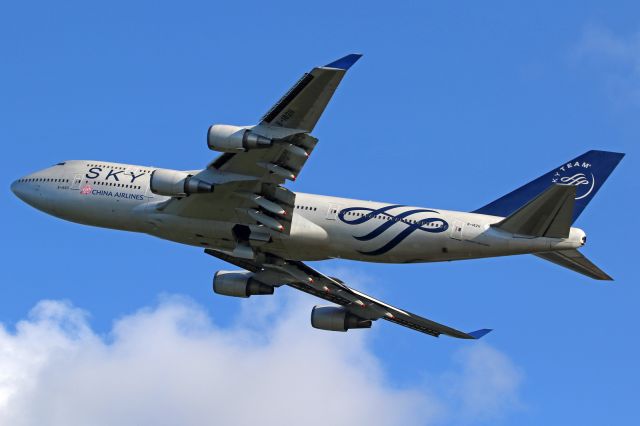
point(364, 215)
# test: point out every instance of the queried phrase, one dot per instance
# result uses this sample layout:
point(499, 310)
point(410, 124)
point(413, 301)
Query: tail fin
point(587, 173)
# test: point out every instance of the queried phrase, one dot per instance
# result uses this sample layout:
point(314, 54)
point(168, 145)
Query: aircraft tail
point(586, 173)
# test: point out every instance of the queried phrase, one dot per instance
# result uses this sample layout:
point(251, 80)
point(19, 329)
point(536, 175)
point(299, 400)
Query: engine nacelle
point(175, 183)
point(239, 284)
point(226, 138)
point(335, 318)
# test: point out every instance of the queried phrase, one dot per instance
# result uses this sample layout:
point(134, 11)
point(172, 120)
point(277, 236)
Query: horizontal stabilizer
point(574, 260)
point(548, 215)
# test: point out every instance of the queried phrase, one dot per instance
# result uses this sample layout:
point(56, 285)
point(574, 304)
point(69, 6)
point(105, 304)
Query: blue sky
point(452, 106)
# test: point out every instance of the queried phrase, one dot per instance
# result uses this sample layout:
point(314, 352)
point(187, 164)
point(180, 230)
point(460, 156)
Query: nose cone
point(31, 193)
point(16, 189)
point(19, 189)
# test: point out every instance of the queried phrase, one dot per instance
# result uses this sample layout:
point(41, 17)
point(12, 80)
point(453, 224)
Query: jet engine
point(175, 183)
point(336, 318)
point(239, 284)
point(226, 138)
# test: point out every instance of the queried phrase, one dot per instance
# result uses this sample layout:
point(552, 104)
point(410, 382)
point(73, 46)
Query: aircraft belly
point(306, 241)
point(191, 231)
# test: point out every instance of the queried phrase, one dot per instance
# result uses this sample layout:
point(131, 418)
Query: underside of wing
point(355, 310)
point(244, 187)
point(302, 106)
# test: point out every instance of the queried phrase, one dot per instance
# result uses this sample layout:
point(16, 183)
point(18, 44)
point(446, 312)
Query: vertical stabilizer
point(587, 173)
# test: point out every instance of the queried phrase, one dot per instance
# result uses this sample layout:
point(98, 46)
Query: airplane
point(239, 210)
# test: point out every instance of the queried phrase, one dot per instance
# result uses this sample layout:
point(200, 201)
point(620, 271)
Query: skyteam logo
point(401, 224)
point(577, 174)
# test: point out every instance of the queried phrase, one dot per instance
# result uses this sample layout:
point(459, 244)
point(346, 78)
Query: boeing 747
point(239, 210)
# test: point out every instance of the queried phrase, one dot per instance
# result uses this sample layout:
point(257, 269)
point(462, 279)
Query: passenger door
point(77, 179)
point(457, 230)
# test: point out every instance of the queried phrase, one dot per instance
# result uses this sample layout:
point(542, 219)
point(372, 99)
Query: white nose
point(29, 192)
point(18, 188)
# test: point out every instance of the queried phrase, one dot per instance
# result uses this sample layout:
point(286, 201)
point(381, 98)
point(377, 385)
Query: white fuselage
point(117, 196)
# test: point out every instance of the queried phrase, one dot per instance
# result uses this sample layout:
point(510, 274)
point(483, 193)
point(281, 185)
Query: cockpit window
point(61, 164)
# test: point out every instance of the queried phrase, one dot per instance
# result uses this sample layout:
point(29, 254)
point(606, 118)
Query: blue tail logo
point(578, 175)
point(432, 224)
point(587, 173)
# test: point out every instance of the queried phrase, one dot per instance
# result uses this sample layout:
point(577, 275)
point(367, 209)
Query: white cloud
point(486, 385)
point(619, 58)
point(169, 364)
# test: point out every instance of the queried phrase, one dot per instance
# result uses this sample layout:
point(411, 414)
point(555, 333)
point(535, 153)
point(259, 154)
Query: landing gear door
point(77, 179)
point(332, 213)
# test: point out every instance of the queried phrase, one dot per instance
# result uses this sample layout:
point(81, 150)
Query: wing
point(302, 105)
point(290, 119)
point(304, 278)
point(248, 184)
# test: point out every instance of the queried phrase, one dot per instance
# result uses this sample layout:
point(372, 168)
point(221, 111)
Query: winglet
point(480, 333)
point(345, 63)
